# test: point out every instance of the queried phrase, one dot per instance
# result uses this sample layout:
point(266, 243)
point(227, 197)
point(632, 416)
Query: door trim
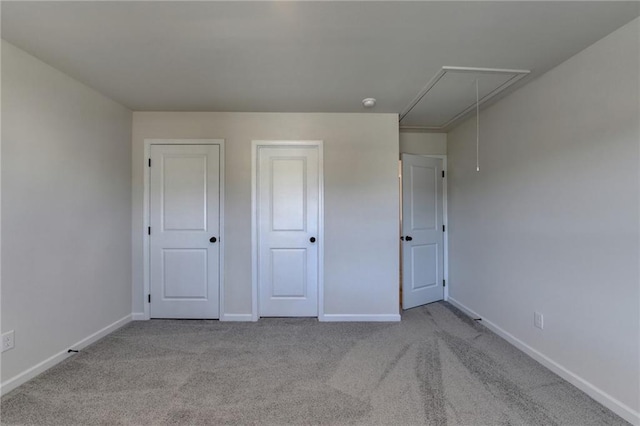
point(255, 145)
point(146, 212)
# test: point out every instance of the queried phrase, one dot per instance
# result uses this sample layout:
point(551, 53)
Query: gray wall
point(423, 143)
point(361, 200)
point(550, 223)
point(66, 210)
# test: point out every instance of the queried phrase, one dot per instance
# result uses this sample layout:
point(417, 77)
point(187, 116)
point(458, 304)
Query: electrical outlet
point(8, 340)
point(538, 320)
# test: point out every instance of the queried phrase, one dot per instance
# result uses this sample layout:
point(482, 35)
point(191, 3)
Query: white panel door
point(287, 198)
point(185, 222)
point(422, 231)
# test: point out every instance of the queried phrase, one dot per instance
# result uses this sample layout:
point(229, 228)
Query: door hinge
point(149, 230)
point(149, 162)
point(443, 228)
point(444, 283)
point(443, 173)
point(149, 298)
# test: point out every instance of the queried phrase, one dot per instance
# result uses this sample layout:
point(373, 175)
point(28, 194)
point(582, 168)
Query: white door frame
point(255, 145)
point(445, 220)
point(146, 212)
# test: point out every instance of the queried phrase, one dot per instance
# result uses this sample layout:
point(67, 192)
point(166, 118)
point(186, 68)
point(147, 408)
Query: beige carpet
point(436, 367)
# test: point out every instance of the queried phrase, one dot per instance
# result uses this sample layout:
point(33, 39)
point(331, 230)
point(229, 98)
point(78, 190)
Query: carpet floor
point(436, 367)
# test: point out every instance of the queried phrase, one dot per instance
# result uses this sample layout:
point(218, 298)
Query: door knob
point(312, 239)
point(213, 239)
point(408, 238)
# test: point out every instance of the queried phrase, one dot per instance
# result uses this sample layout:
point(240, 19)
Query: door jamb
point(255, 145)
point(445, 219)
point(146, 211)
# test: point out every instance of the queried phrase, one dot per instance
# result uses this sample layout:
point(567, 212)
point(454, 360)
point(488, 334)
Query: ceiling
point(297, 56)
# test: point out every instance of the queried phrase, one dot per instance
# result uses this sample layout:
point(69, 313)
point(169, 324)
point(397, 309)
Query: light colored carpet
point(436, 367)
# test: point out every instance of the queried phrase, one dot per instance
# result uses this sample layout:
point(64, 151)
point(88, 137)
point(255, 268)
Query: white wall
point(422, 143)
point(66, 211)
point(551, 222)
point(361, 200)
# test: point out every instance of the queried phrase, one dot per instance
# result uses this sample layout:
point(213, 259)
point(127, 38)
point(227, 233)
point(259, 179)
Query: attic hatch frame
point(517, 76)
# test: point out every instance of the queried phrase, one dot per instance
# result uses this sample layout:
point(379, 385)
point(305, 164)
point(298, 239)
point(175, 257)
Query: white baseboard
point(236, 317)
point(12, 383)
point(138, 316)
point(359, 318)
point(623, 410)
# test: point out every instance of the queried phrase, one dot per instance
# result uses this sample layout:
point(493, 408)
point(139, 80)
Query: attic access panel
point(451, 94)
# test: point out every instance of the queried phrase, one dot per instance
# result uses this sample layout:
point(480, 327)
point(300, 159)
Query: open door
point(422, 231)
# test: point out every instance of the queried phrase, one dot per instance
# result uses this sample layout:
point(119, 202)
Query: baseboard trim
point(12, 383)
point(236, 317)
point(623, 410)
point(359, 318)
point(138, 316)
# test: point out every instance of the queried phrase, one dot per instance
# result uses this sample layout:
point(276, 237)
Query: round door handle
point(312, 239)
point(408, 238)
point(213, 239)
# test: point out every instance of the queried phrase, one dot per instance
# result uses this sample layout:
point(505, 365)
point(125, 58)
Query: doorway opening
point(183, 228)
point(423, 235)
point(287, 229)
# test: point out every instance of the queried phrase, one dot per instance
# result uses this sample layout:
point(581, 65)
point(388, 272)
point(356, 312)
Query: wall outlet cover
point(538, 320)
point(8, 340)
